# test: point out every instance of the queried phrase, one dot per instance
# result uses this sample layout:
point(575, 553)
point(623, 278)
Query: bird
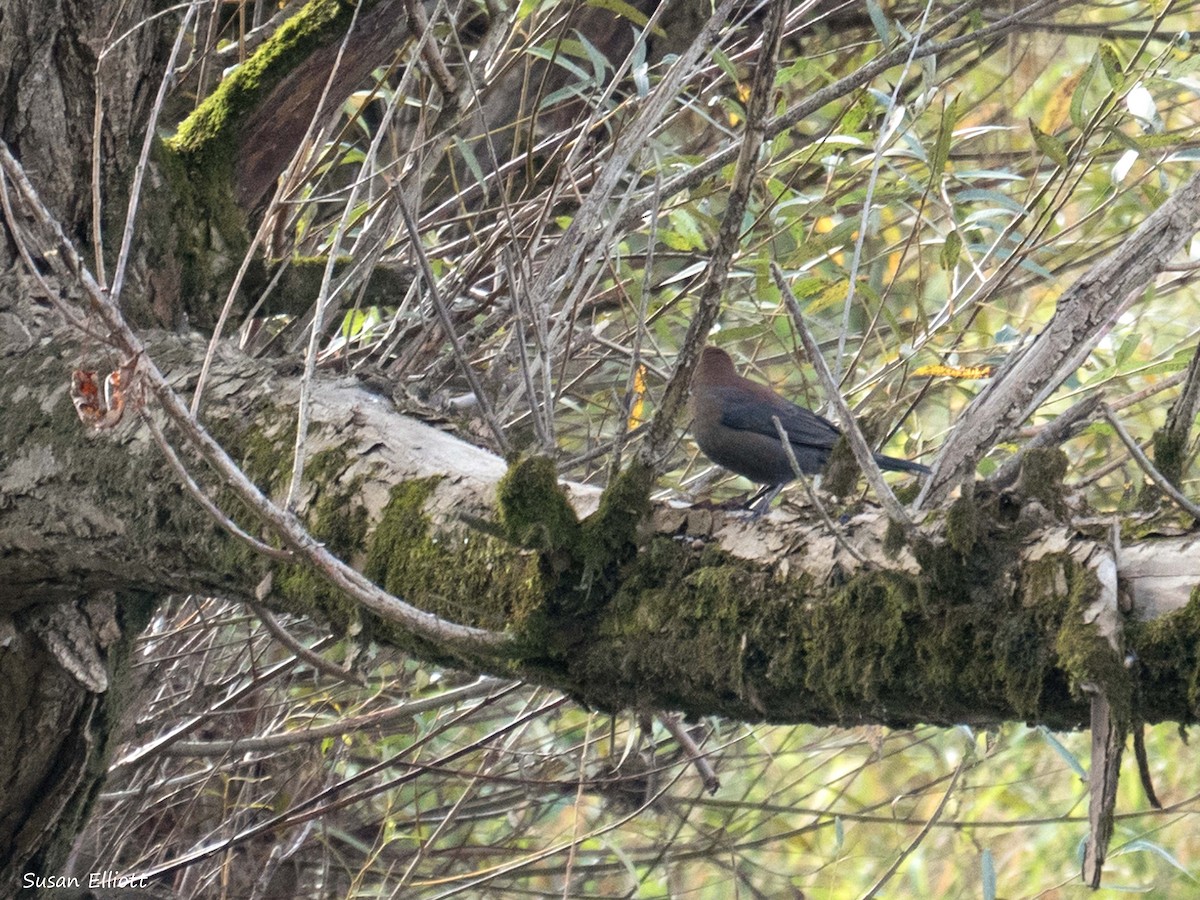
point(732, 423)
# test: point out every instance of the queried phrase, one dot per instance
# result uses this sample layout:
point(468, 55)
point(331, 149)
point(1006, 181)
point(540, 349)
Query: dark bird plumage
point(732, 424)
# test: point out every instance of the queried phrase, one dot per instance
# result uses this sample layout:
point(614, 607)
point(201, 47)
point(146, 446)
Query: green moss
point(461, 575)
point(1042, 473)
point(895, 538)
point(200, 236)
point(266, 450)
point(1170, 458)
point(963, 523)
point(1086, 656)
point(854, 657)
point(673, 628)
point(1168, 654)
point(609, 536)
point(338, 518)
point(534, 512)
point(1170, 454)
point(842, 472)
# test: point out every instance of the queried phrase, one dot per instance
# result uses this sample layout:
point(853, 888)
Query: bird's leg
point(760, 506)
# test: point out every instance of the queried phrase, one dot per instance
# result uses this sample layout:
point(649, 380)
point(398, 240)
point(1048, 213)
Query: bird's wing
point(803, 426)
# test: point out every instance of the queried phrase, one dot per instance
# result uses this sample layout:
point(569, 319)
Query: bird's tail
point(891, 464)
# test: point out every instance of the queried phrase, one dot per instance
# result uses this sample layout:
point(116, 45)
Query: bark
point(62, 647)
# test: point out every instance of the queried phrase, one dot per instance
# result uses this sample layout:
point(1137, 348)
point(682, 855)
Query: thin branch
point(1148, 467)
point(862, 450)
point(1051, 435)
point(206, 502)
point(812, 495)
point(317, 327)
point(697, 756)
point(318, 662)
point(139, 172)
point(886, 133)
point(297, 813)
point(419, 25)
point(921, 835)
point(443, 314)
point(708, 305)
point(483, 687)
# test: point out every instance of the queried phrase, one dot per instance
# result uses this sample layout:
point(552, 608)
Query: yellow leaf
point(962, 372)
point(1058, 104)
point(639, 398)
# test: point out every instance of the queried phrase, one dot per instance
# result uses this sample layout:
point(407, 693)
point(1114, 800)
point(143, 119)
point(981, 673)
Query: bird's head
point(715, 367)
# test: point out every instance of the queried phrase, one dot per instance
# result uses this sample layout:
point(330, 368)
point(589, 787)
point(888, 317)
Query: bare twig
point(885, 135)
point(315, 807)
point(862, 450)
point(812, 495)
point(708, 305)
point(317, 327)
point(539, 411)
point(635, 361)
point(419, 25)
point(1148, 467)
point(443, 314)
point(697, 756)
point(316, 660)
point(483, 687)
point(139, 172)
point(595, 219)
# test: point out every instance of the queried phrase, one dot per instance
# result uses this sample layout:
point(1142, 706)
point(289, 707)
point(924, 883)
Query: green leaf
point(1128, 345)
point(879, 20)
point(1113, 70)
point(600, 63)
point(622, 9)
point(639, 69)
point(1144, 846)
point(1049, 145)
point(951, 249)
point(725, 64)
point(683, 234)
point(1068, 757)
point(941, 148)
point(1078, 117)
point(468, 155)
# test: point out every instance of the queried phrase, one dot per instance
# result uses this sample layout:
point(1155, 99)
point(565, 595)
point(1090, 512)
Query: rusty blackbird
point(732, 424)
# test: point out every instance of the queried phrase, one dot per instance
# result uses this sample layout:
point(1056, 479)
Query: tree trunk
point(65, 634)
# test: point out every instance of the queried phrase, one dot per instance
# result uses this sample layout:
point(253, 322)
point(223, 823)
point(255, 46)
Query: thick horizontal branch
point(773, 619)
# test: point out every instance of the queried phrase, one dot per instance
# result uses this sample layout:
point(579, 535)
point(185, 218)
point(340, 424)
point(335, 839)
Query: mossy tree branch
point(694, 611)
